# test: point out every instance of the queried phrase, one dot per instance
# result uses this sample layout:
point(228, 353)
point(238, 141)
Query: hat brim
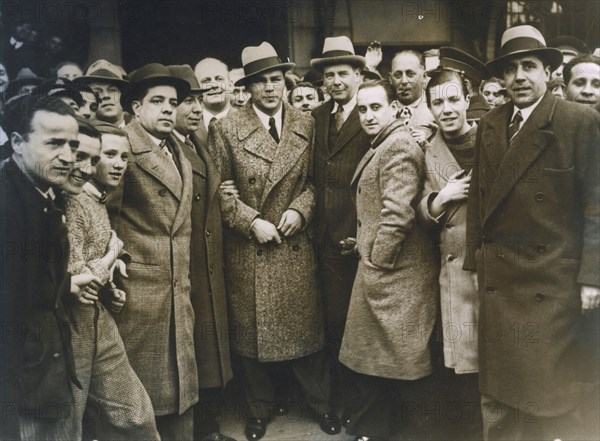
point(88, 79)
point(553, 56)
point(246, 79)
point(354, 60)
point(13, 87)
point(182, 87)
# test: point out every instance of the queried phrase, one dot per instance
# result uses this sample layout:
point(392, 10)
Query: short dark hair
point(305, 84)
point(585, 58)
point(441, 76)
point(385, 84)
point(18, 113)
point(86, 128)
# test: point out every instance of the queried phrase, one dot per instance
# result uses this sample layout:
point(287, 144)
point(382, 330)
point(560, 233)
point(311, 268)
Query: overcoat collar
point(213, 176)
point(149, 158)
point(295, 139)
point(531, 140)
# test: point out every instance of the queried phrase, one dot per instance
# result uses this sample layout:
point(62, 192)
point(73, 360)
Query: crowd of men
point(389, 247)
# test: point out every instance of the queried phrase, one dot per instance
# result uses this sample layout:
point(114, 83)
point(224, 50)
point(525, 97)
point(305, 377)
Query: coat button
point(207, 233)
point(451, 257)
point(540, 297)
point(358, 190)
point(259, 252)
point(56, 355)
point(329, 162)
point(490, 289)
point(251, 181)
point(359, 223)
point(162, 192)
point(296, 248)
point(539, 196)
point(198, 196)
point(541, 249)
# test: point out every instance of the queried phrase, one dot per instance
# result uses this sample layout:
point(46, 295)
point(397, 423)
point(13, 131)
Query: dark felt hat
point(457, 60)
point(24, 77)
point(185, 72)
point(61, 87)
point(569, 45)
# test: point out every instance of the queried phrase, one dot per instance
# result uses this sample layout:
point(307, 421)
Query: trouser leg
point(175, 427)
point(258, 387)
point(314, 376)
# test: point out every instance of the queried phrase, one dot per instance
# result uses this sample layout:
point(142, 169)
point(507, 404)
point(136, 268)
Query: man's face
point(525, 79)
point(3, 78)
point(584, 85)
point(342, 81)
point(114, 156)
point(266, 91)
point(87, 156)
point(109, 109)
point(492, 95)
point(89, 107)
point(213, 77)
point(27, 89)
point(558, 73)
point(407, 77)
point(157, 110)
point(48, 151)
point(374, 111)
point(22, 31)
point(189, 114)
point(69, 71)
point(304, 98)
point(449, 108)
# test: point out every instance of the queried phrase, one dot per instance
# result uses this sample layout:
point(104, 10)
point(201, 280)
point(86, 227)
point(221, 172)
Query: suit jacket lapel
point(348, 131)
point(527, 145)
point(294, 141)
point(149, 158)
point(322, 115)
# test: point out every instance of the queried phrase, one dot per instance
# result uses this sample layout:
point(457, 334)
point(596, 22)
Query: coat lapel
point(295, 139)
point(214, 177)
point(183, 210)
point(348, 131)
point(361, 166)
point(201, 133)
point(253, 136)
point(322, 115)
point(527, 145)
point(149, 158)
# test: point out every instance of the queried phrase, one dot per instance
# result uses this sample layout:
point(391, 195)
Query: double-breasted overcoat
point(275, 309)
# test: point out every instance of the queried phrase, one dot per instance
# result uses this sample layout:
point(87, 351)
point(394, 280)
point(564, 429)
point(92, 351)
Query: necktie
point(514, 126)
point(102, 197)
point(273, 130)
point(339, 118)
point(213, 120)
point(405, 115)
point(167, 152)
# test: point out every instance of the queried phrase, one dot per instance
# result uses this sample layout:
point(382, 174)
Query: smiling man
point(533, 235)
point(582, 77)
point(153, 220)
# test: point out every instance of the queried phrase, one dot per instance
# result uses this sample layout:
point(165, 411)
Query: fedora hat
point(459, 61)
point(60, 87)
point(185, 72)
point(150, 75)
point(523, 40)
point(258, 59)
point(24, 77)
point(102, 71)
point(337, 50)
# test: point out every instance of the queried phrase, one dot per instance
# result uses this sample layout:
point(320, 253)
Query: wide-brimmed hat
point(150, 75)
point(459, 61)
point(258, 59)
point(569, 45)
point(60, 87)
point(523, 40)
point(102, 71)
point(185, 72)
point(337, 50)
point(24, 76)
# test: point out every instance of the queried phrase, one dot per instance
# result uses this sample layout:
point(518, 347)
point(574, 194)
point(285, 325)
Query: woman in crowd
point(493, 91)
point(443, 209)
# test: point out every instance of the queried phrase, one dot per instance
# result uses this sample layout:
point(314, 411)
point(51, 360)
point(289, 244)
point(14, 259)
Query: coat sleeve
point(473, 224)
point(306, 201)
point(236, 214)
point(588, 179)
point(77, 223)
point(399, 183)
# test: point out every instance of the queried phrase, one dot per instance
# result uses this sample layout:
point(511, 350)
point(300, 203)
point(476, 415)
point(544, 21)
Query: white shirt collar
point(179, 136)
point(264, 118)
point(347, 108)
point(16, 43)
point(155, 139)
point(207, 116)
point(48, 194)
point(525, 112)
point(93, 191)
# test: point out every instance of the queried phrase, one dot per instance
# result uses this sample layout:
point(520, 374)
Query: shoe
point(330, 423)
point(216, 436)
point(256, 429)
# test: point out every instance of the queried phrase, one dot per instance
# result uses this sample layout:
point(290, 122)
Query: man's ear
point(135, 106)
point(548, 72)
point(17, 142)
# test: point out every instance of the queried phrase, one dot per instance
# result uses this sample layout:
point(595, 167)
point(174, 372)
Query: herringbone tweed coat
point(275, 309)
point(393, 304)
point(157, 321)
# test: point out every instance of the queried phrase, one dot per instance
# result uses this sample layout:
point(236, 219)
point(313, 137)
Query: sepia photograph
point(299, 220)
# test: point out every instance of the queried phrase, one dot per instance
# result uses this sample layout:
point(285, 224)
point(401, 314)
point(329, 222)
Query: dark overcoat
point(393, 305)
point(275, 309)
point(157, 321)
point(533, 227)
point(208, 298)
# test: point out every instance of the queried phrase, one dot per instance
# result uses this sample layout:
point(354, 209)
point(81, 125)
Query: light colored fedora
point(337, 50)
point(258, 59)
point(523, 40)
point(102, 71)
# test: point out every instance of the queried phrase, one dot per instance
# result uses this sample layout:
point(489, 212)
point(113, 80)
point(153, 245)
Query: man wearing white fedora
point(276, 312)
point(533, 234)
point(340, 144)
